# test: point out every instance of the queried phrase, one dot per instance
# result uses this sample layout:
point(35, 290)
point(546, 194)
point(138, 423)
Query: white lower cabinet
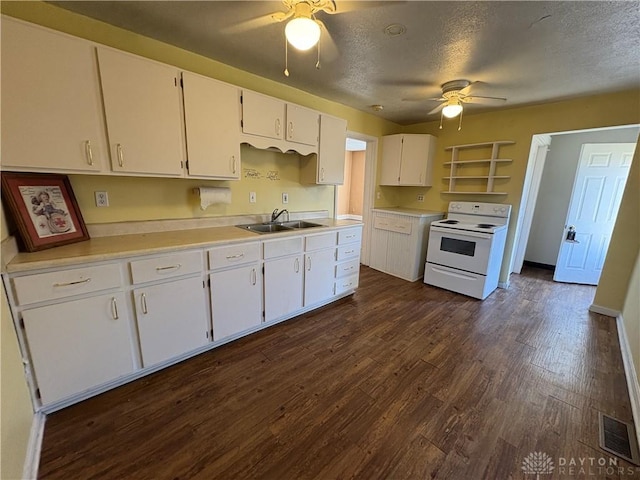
point(172, 319)
point(283, 279)
point(76, 345)
point(236, 300)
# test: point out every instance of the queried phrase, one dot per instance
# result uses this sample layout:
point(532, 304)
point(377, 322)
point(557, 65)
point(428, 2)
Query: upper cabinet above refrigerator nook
point(407, 159)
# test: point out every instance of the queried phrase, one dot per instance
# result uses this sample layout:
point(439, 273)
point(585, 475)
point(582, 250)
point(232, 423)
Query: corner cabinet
point(212, 116)
point(327, 167)
point(407, 159)
point(481, 180)
point(51, 105)
point(143, 111)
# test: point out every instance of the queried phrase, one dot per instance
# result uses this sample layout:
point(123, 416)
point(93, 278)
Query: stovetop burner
point(486, 225)
point(450, 222)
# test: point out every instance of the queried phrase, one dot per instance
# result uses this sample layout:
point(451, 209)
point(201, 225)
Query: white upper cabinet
point(302, 125)
point(51, 105)
point(144, 116)
point(327, 168)
point(263, 116)
point(212, 116)
point(407, 159)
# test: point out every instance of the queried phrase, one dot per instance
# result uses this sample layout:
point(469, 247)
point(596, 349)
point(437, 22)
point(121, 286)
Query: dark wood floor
point(399, 381)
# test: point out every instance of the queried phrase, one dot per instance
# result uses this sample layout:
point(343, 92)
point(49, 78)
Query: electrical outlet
point(377, 195)
point(285, 198)
point(252, 197)
point(421, 198)
point(102, 199)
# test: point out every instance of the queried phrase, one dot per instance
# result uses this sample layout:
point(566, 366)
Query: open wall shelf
point(491, 163)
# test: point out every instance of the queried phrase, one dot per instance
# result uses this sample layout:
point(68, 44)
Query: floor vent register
point(619, 438)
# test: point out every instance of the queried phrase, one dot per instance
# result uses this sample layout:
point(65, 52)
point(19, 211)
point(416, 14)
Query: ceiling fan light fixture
point(452, 110)
point(302, 33)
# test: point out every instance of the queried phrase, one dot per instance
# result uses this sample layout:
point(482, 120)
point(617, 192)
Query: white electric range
point(465, 250)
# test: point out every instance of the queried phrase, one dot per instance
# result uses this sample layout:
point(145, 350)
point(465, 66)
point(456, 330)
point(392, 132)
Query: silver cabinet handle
point(120, 154)
point(169, 267)
point(309, 264)
point(349, 252)
point(143, 303)
point(238, 255)
point(77, 282)
point(277, 126)
point(296, 265)
point(353, 236)
point(88, 152)
point(234, 163)
point(253, 276)
point(290, 130)
point(322, 174)
point(114, 308)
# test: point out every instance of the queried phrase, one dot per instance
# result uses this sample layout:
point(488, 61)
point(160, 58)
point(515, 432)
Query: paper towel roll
point(212, 195)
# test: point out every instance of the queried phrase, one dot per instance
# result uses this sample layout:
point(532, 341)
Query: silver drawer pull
point(353, 236)
point(114, 308)
point(88, 152)
point(143, 301)
point(349, 252)
point(170, 267)
point(231, 257)
point(296, 265)
point(120, 154)
point(77, 282)
point(254, 276)
point(348, 268)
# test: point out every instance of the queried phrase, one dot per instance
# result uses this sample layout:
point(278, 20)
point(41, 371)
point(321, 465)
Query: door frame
point(370, 168)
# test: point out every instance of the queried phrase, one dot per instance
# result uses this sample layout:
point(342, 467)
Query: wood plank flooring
point(399, 381)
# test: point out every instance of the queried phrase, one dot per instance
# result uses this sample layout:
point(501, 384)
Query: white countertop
point(116, 247)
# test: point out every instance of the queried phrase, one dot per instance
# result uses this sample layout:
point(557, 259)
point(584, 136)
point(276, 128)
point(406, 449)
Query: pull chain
point(318, 62)
point(460, 124)
point(441, 115)
point(286, 57)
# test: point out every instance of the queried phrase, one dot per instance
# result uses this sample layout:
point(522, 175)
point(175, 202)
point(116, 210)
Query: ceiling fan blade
point(467, 89)
point(281, 16)
point(437, 109)
point(349, 6)
point(250, 24)
point(484, 100)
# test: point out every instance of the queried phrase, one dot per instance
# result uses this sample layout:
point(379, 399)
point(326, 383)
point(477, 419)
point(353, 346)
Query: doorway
point(355, 198)
point(542, 224)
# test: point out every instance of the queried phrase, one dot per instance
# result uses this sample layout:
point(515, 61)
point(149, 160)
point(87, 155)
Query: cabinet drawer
point(349, 235)
point(348, 251)
point(280, 248)
point(393, 225)
point(65, 283)
point(167, 266)
point(234, 255)
point(322, 240)
point(347, 268)
point(347, 283)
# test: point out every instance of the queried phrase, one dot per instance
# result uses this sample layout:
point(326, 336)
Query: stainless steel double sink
point(271, 227)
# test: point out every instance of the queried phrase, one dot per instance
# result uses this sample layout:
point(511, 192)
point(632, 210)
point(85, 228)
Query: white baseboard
point(504, 285)
point(609, 312)
point(34, 447)
point(630, 374)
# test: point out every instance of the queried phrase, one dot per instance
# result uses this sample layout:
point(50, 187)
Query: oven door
point(465, 250)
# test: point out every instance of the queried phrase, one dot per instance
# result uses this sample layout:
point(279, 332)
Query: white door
point(172, 319)
point(212, 117)
point(319, 276)
point(282, 287)
point(597, 191)
point(78, 345)
point(236, 300)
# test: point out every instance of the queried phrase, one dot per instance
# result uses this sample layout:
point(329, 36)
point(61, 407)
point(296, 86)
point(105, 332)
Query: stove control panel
point(487, 209)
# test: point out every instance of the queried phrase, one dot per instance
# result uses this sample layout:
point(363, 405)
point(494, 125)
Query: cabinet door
point(401, 255)
point(142, 108)
point(379, 243)
point(415, 165)
point(172, 319)
point(331, 150)
point(302, 125)
point(236, 300)
point(319, 276)
point(51, 104)
point(262, 115)
point(391, 157)
point(282, 287)
point(212, 117)
point(78, 345)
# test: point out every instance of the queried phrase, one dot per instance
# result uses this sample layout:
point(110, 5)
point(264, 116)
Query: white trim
point(34, 447)
point(350, 217)
point(630, 374)
point(504, 285)
point(609, 312)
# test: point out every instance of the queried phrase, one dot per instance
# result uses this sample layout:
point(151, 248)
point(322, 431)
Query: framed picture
point(44, 209)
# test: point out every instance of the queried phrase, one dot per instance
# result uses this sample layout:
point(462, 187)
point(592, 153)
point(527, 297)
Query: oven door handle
point(460, 233)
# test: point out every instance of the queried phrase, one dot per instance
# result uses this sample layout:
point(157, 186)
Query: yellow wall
point(16, 412)
point(631, 315)
point(519, 125)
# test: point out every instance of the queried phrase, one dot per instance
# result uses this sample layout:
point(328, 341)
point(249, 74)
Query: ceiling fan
point(454, 94)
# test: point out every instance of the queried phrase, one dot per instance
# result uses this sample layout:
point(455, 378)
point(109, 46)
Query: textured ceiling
point(528, 52)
